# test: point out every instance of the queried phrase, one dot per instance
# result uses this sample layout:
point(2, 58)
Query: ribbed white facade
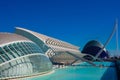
point(55, 49)
point(20, 57)
point(27, 53)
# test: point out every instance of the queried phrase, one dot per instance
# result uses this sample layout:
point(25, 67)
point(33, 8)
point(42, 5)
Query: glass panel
point(29, 65)
point(27, 48)
point(8, 52)
point(13, 50)
point(13, 53)
point(22, 48)
point(18, 48)
point(1, 60)
point(5, 56)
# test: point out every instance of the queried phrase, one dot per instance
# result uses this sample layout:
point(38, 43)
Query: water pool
point(81, 72)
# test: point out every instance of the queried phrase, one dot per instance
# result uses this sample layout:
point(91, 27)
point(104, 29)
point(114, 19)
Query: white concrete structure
point(57, 50)
point(20, 57)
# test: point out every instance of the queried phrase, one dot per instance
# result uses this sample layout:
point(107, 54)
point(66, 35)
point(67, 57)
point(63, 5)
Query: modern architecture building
point(20, 57)
point(27, 53)
point(93, 47)
point(59, 52)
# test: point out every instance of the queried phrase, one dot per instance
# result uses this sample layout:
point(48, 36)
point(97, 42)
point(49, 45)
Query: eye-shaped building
point(20, 57)
point(93, 47)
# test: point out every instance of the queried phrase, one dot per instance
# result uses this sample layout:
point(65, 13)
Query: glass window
point(24, 47)
point(5, 56)
point(9, 51)
point(20, 49)
point(17, 48)
point(28, 47)
point(13, 50)
point(1, 59)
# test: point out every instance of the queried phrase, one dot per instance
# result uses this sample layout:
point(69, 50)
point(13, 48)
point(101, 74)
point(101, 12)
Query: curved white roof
point(44, 37)
point(9, 37)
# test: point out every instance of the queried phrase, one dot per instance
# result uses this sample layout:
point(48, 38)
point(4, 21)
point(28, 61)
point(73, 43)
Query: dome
point(93, 47)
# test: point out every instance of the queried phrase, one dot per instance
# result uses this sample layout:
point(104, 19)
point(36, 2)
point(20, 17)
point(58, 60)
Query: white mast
point(108, 40)
point(117, 43)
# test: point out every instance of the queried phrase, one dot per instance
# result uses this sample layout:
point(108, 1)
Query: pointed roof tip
point(22, 28)
point(16, 27)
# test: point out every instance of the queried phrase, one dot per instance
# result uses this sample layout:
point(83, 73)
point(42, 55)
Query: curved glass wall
point(18, 49)
point(25, 66)
point(22, 59)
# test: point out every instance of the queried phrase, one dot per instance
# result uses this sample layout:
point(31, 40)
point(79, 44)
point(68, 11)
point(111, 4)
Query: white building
point(20, 57)
point(58, 51)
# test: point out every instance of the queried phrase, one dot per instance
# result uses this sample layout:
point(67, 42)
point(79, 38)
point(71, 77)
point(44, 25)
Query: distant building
point(93, 47)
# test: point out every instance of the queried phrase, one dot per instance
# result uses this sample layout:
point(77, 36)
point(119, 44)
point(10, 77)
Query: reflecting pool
point(82, 71)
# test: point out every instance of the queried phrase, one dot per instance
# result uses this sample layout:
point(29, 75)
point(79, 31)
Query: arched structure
point(56, 50)
point(20, 57)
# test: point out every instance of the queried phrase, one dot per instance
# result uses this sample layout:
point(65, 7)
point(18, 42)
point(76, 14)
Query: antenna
point(108, 40)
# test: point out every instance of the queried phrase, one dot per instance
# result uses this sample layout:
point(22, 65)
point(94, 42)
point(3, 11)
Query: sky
point(73, 21)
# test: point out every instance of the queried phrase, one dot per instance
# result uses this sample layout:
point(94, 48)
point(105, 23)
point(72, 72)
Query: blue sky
point(74, 21)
